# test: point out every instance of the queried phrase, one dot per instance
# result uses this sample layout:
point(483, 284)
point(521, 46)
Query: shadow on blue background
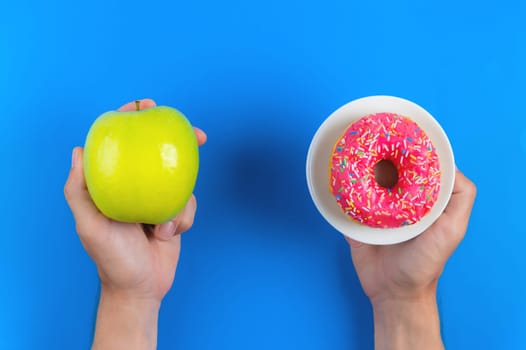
point(275, 250)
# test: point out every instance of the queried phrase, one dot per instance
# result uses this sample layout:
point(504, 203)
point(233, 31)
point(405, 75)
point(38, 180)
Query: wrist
point(126, 297)
point(407, 322)
point(125, 321)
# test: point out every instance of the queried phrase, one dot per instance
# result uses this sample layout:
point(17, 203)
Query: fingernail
point(74, 157)
point(166, 230)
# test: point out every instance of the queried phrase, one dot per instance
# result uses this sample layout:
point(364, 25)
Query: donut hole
point(385, 173)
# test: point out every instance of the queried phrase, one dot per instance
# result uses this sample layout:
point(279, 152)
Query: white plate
point(320, 151)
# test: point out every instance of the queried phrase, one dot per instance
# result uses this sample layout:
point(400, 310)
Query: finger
point(166, 231)
point(179, 224)
point(459, 207)
point(451, 227)
point(132, 106)
point(76, 192)
point(201, 136)
point(186, 217)
point(360, 252)
point(353, 243)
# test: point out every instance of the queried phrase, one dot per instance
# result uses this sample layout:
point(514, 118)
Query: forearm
point(407, 324)
point(124, 322)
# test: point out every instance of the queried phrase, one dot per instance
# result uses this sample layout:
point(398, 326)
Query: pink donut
point(384, 140)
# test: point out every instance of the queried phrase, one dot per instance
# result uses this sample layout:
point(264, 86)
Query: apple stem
point(137, 105)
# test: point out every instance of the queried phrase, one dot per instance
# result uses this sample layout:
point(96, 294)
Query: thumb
point(353, 243)
point(360, 252)
point(166, 231)
point(181, 223)
point(76, 192)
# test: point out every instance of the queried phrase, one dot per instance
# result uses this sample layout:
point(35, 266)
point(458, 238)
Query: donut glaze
point(371, 139)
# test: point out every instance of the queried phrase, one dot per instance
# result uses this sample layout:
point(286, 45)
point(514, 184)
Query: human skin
point(136, 263)
point(401, 280)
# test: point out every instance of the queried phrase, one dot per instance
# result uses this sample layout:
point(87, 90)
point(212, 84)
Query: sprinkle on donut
point(399, 140)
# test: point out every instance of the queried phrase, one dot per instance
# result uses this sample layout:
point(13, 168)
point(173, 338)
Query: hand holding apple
point(126, 258)
point(141, 165)
point(136, 270)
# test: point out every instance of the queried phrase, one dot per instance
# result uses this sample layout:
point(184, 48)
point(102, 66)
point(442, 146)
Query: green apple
point(141, 166)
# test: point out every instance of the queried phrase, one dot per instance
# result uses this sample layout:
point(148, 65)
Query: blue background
point(260, 269)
